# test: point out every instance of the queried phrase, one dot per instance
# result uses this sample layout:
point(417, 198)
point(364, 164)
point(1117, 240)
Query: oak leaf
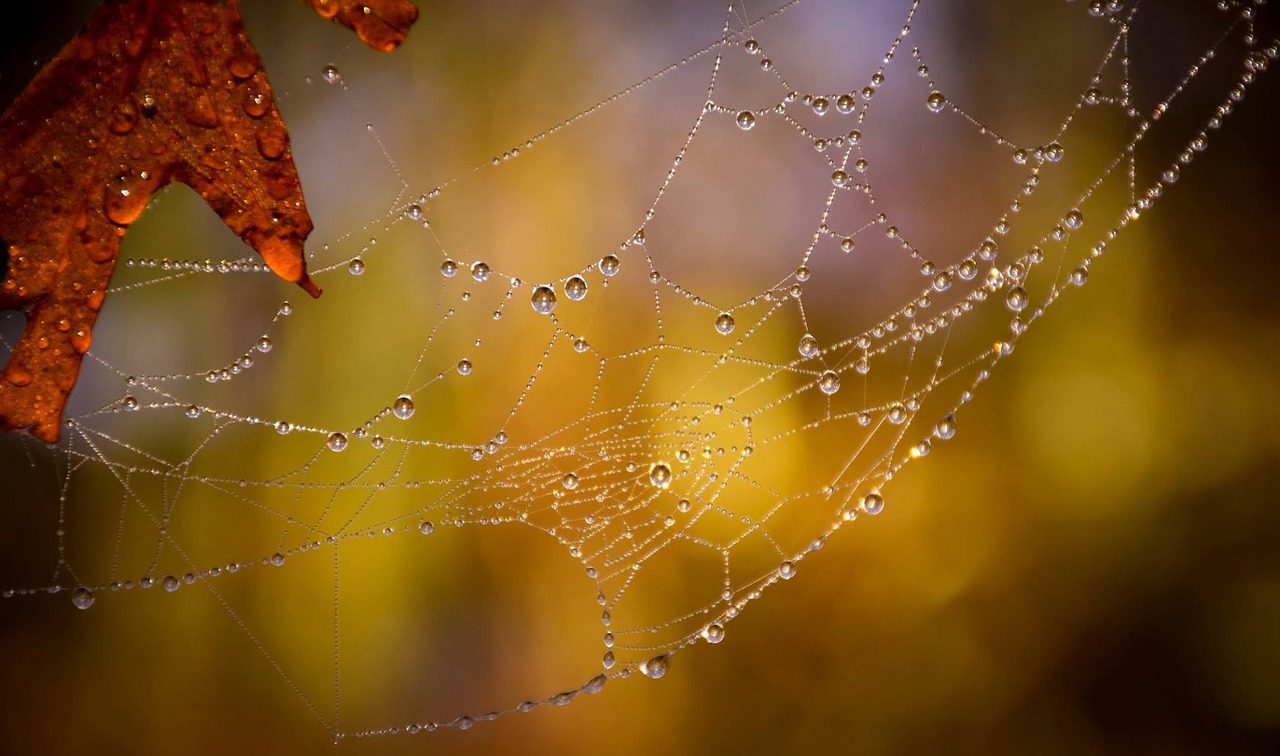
point(151, 91)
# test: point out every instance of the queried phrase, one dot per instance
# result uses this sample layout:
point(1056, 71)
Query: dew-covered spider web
point(616, 336)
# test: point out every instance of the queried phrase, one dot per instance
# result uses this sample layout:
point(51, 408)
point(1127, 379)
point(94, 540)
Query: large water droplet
point(808, 345)
point(255, 104)
point(724, 323)
point(337, 441)
point(746, 119)
point(82, 598)
point(829, 382)
point(124, 118)
point(786, 570)
point(936, 101)
point(331, 74)
point(479, 271)
point(1016, 299)
point(873, 503)
point(609, 265)
point(569, 481)
point(714, 633)
point(660, 475)
point(403, 407)
point(575, 288)
point(543, 300)
point(125, 200)
point(656, 667)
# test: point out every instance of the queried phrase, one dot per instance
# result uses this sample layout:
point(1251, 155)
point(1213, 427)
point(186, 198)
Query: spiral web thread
point(686, 451)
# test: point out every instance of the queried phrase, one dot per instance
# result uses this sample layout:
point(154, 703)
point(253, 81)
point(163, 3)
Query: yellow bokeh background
point(1089, 567)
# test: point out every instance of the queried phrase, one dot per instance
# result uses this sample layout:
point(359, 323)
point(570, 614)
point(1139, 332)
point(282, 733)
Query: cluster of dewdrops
point(948, 294)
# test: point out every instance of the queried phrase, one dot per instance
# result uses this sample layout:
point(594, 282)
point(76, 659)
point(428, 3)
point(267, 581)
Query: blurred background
point(1091, 566)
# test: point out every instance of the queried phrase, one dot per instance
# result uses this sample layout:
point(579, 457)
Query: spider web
point(638, 363)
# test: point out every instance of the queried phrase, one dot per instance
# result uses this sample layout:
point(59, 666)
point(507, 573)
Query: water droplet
point(746, 119)
point(414, 212)
point(149, 105)
point(426, 527)
point(896, 414)
point(609, 265)
point(264, 344)
point(465, 367)
point(820, 105)
point(714, 633)
point(1073, 220)
point(479, 271)
point(82, 598)
point(1080, 276)
point(873, 503)
point(660, 475)
point(839, 178)
point(255, 104)
point(331, 74)
point(656, 667)
point(844, 103)
point(170, 583)
point(543, 300)
point(580, 345)
point(829, 382)
point(946, 427)
point(337, 441)
point(126, 198)
point(448, 269)
point(194, 411)
point(272, 141)
point(403, 407)
point(243, 65)
point(356, 266)
point(724, 323)
point(751, 46)
point(575, 288)
point(595, 684)
point(569, 481)
point(130, 403)
point(786, 570)
point(124, 118)
point(1016, 299)
point(277, 559)
point(808, 345)
point(1053, 152)
point(936, 101)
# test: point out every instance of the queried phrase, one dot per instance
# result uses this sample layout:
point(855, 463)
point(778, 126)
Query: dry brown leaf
point(151, 91)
